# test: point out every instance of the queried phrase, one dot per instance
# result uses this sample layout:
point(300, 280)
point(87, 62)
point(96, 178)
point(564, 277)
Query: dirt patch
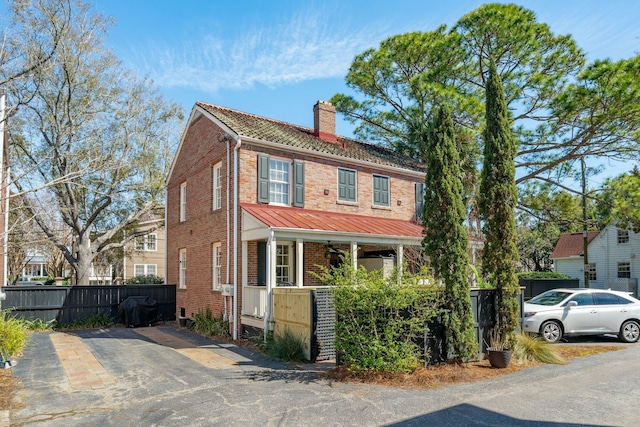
point(9, 386)
point(448, 374)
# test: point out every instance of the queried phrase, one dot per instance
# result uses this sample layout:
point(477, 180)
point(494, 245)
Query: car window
point(583, 299)
point(549, 298)
point(610, 299)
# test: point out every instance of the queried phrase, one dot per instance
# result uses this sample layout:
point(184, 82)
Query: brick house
point(254, 203)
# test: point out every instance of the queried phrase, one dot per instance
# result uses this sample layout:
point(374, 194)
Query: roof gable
point(572, 244)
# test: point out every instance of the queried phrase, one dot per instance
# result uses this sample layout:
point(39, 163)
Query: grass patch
point(209, 325)
point(287, 347)
point(530, 348)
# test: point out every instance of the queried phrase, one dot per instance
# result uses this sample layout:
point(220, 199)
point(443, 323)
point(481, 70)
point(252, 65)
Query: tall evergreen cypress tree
point(498, 197)
point(446, 239)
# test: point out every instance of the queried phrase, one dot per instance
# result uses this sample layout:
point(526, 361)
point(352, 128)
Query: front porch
point(283, 247)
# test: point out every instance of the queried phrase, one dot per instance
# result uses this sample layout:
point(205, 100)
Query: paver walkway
point(83, 370)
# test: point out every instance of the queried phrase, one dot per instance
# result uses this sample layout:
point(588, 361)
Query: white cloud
point(310, 45)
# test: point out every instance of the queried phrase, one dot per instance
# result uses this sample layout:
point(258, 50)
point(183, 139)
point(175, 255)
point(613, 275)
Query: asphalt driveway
point(166, 376)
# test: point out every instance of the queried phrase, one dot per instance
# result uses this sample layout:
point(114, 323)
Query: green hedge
point(381, 321)
point(542, 275)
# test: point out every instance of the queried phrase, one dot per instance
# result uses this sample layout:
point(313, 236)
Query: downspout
point(236, 160)
point(228, 210)
point(166, 240)
point(228, 140)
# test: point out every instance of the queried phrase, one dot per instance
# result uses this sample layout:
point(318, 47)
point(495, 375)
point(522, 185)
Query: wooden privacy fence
point(65, 304)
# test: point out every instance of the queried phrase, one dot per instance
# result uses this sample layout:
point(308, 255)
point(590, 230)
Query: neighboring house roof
point(265, 129)
point(572, 244)
point(306, 219)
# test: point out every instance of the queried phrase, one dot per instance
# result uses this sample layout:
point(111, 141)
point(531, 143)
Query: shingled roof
point(572, 244)
point(265, 129)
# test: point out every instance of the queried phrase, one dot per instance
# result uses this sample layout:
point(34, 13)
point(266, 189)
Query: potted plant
point(499, 356)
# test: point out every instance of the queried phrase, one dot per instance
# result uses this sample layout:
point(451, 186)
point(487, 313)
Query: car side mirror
point(572, 304)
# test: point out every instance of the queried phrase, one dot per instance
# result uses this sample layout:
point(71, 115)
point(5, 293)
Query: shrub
point(13, 335)
point(145, 279)
point(542, 275)
point(381, 321)
point(40, 325)
point(529, 347)
point(206, 324)
point(286, 346)
point(96, 320)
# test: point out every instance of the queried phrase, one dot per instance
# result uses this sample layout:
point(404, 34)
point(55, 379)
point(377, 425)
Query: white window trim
point(145, 268)
point(290, 263)
point(338, 199)
point(183, 202)
point(182, 269)
point(623, 234)
point(289, 183)
point(144, 247)
point(217, 186)
point(216, 263)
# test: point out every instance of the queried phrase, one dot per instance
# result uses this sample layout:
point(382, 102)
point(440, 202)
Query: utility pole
point(584, 225)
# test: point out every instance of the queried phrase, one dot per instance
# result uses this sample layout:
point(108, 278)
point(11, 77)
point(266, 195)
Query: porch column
point(271, 275)
point(354, 255)
point(245, 262)
point(400, 258)
point(299, 263)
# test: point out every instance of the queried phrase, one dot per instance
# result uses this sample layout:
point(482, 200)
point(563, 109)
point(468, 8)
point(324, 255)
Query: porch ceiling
point(333, 225)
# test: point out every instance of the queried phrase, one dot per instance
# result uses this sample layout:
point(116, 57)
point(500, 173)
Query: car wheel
point(629, 331)
point(551, 331)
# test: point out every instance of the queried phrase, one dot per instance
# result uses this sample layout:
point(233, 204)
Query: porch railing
point(254, 301)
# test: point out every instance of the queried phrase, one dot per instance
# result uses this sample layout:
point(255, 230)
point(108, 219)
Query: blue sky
point(277, 58)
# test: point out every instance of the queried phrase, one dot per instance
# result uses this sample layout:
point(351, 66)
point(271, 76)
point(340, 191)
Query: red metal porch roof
point(306, 219)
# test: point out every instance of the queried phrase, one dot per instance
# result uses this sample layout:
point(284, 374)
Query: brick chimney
point(324, 121)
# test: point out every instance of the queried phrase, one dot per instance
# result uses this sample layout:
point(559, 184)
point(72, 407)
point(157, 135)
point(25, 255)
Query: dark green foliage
point(287, 347)
point(445, 238)
point(148, 279)
point(94, 321)
point(498, 198)
point(542, 275)
point(207, 324)
point(381, 321)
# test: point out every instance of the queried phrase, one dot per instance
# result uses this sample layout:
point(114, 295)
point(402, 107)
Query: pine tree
point(446, 239)
point(498, 197)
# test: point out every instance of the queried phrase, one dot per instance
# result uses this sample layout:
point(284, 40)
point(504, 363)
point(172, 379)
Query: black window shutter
point(298, 183)
point(263, 178)
point(419, 200)
point(262, 263)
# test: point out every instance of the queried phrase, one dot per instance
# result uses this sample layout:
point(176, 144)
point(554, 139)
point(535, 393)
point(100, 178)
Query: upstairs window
point(147, 243)
point(183, 202)
point(380, 190)
point(217, 186)
point(419, 200)
point(592, 271)
point(623, 236)
point(276, 182)
point(347, 191)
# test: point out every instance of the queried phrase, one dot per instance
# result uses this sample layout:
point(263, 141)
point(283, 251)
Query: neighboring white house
point(614, 258)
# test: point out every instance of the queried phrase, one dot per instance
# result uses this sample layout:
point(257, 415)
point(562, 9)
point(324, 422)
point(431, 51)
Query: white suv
point(560, 312)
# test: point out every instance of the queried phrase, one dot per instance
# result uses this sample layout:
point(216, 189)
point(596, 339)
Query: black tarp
point(138, 310)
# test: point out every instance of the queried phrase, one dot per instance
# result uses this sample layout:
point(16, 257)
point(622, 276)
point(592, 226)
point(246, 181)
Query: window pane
point(138, 270)
point(151, 269)
point(279, 182)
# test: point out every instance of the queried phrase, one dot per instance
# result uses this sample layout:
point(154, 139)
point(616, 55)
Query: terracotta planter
point(499, 358)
